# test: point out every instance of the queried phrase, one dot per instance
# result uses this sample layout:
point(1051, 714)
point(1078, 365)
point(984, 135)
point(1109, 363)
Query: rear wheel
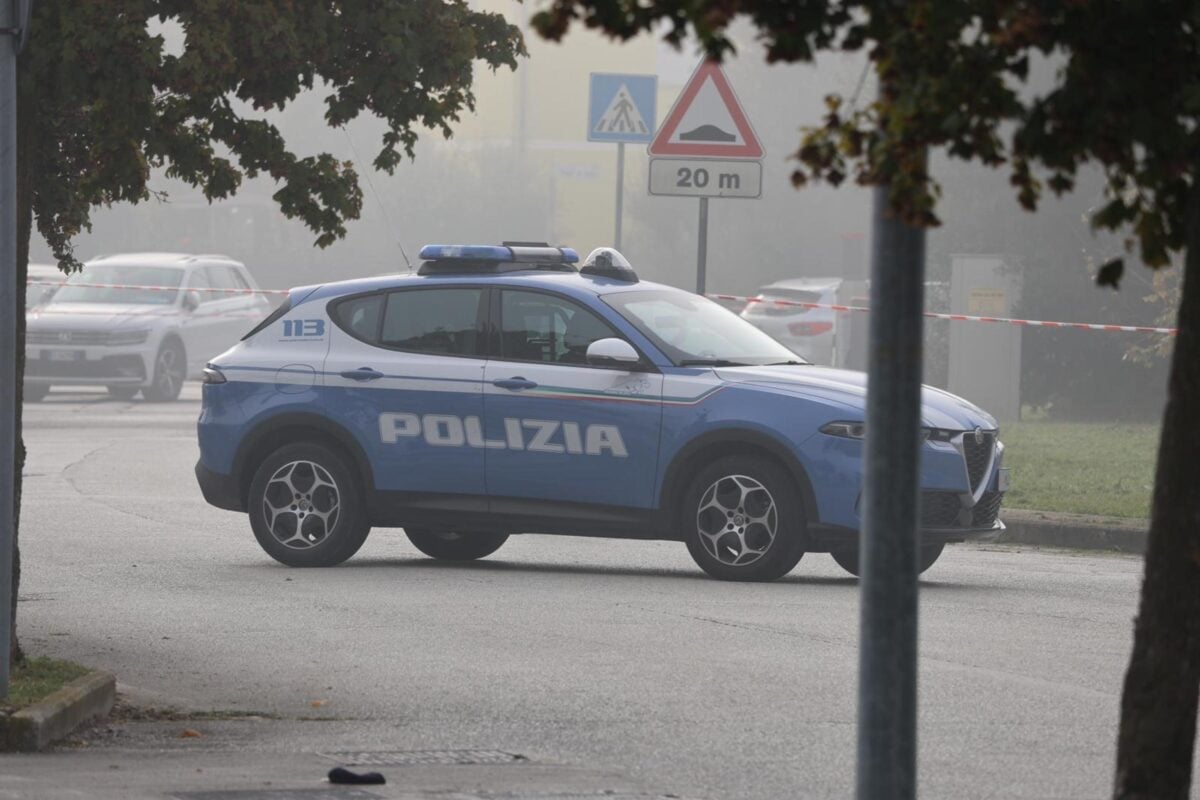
point(306, 507)
point(847, 557)
point(170, 368)
point(453, 546)
point(122, 392)
point(36, 392)
point(743, 521)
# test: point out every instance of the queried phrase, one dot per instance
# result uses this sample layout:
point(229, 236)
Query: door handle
point(362, 374)
point(515, 384)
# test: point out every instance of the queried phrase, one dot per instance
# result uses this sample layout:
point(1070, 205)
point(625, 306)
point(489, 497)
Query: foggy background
point(521, 168)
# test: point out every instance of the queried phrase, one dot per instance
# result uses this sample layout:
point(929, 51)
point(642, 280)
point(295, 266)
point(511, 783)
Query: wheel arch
point(289, 428)
point(733, 441)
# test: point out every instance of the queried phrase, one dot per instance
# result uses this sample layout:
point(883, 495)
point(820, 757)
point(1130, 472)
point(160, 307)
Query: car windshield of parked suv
point(694, 331)
point(123, 277)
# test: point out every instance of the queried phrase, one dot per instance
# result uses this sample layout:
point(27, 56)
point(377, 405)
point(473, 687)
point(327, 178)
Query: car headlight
point(124, 337)
point(847, 430)
point(858, 430)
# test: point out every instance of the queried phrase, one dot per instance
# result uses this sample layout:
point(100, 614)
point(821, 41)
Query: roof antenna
point(383, 208)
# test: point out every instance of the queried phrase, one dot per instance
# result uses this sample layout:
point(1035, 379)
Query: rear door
point(405, 374)
point(559, 430)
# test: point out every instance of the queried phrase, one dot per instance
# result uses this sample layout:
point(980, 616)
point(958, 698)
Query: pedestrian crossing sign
point(621, 108)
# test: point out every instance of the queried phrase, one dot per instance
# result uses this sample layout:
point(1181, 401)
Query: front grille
point(984, 514)
point(43, 336)
point(978, 455)
point(940, 509)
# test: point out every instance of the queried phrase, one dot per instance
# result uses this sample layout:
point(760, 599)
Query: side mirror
point(610, 352)
point(191, 301)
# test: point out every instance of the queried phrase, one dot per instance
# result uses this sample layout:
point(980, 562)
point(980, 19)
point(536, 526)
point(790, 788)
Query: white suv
point(807, 331)
point(139, 321)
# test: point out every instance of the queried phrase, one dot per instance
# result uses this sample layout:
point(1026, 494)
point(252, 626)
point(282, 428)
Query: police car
point(500, 390)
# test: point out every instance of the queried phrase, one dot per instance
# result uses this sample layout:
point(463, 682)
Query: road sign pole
point(887, 666)
point(620, 194)
point(702, 248)
point(8, 322)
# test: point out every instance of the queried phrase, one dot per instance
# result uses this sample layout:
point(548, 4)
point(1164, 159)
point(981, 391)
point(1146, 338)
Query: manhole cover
point(325, 793)
point(412, 758)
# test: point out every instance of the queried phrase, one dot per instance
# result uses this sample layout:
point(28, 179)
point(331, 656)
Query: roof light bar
point(515, 253)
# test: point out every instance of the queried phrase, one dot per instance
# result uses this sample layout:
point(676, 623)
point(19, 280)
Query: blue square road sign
point(621, 108)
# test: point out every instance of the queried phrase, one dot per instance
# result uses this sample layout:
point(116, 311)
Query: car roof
point(570, 283)
point(153, 259)
point(45, 270)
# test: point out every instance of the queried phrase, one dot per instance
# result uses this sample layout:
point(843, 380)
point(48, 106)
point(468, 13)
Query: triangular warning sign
point(622, 115)
point(707, 121)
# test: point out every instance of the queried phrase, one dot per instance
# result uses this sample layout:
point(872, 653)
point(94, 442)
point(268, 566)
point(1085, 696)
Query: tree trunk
point(25, 129)
point(1158, 708)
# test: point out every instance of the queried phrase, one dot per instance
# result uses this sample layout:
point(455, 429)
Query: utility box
point(985, 358)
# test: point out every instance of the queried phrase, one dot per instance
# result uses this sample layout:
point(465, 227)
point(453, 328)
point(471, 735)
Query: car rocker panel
point(460, 404)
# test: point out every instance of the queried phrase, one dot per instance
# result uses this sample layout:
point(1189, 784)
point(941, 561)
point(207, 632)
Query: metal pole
point(8, 323)
point(702, 248)
point(887, 689)
point(620, 193)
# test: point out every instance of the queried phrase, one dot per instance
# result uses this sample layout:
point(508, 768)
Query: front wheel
point(743, 521)
point(847, 557)
point(306, 507)
point(170, 368)
point(451, 546)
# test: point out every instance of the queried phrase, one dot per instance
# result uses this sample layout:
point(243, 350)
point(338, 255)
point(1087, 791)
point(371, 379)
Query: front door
point(559, 430)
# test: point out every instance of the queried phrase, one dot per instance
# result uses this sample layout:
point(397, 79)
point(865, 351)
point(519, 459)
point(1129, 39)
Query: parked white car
point(139, 322)
point(806, 331)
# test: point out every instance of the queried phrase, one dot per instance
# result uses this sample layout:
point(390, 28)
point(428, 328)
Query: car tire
point(307, 507)
point(170, 370)
point(35, 392)
point(847, 557)
point(120, 392)
point(453, 546)
point(742, 519)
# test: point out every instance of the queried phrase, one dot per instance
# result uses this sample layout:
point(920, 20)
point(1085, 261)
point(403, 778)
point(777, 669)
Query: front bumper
point(823, 538)
point(88, 365)
point(219, 490)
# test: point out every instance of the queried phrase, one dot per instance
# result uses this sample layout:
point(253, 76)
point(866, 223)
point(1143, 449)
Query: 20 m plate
point(701, 177)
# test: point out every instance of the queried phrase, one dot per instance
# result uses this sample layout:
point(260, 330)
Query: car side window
point(360, 316)
point(442, 321)
point(548, 328)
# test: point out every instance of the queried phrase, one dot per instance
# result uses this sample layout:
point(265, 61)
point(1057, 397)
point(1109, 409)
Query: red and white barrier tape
point(155, 288)
point(1030, 323)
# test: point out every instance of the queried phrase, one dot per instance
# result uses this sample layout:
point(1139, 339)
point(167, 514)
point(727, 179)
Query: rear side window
point(222, 278)
point(444, 321)
point(360, 316)
point(271, 318)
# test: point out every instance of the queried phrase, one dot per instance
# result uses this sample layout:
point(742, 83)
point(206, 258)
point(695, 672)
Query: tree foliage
point(109, 103)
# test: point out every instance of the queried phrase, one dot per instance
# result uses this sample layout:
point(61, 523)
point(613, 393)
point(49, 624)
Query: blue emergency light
point(516, 254)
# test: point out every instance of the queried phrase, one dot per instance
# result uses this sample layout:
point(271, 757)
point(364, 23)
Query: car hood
point(94, 316)
point(848, 389)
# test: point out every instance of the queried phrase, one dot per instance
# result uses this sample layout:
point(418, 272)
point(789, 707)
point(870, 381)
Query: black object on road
point(343, 775)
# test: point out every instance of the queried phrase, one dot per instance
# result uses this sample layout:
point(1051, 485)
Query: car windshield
point(694, 331)
point(126, 276)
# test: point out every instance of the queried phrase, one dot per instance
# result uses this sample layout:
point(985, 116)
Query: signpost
point(706, 148)
point(621, 109)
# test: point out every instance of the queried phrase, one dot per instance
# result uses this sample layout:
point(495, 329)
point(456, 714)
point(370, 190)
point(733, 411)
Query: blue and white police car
point(500, 390)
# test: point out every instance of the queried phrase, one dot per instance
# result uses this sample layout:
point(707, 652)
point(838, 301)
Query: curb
point(1075, 531)
point(57, 716)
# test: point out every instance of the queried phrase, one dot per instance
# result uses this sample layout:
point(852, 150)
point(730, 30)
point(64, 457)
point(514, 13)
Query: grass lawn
point(37, 678)
point(1081, 468)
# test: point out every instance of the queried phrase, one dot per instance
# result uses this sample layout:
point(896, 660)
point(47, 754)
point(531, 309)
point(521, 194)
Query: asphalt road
point(615, 662)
